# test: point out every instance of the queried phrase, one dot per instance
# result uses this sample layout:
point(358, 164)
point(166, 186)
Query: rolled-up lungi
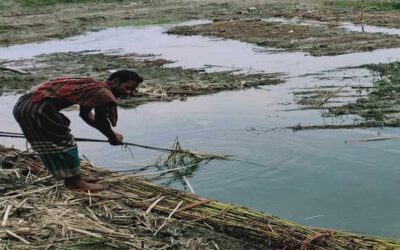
point(48, 132)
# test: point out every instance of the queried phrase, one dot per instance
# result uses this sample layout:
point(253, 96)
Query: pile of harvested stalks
point(168, 92)
point(38, 213)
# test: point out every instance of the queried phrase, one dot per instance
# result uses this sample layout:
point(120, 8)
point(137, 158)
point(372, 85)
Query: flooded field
point(45, 20)
point(316, 40)
point(310, 176)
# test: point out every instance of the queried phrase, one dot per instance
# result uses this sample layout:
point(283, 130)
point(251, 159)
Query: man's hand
point(117, 139)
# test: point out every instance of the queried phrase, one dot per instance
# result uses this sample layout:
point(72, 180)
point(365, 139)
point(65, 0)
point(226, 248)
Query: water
point(311, 177)
point(197, 51)
point(369, 29)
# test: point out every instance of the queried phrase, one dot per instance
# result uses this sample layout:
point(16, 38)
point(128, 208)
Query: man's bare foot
point(91, 179)
point(78, 183)
point(85, 186)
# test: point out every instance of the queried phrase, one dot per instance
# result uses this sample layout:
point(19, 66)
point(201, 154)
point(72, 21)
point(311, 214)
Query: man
point(48, 132)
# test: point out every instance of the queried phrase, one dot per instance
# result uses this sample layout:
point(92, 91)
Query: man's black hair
point(126, 75)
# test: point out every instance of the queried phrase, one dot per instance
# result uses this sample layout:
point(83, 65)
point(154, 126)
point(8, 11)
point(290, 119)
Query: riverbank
point(32, 21)
point(316, 40)
point(138, 214)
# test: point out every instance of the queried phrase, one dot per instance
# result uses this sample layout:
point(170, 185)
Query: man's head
point(124, 82)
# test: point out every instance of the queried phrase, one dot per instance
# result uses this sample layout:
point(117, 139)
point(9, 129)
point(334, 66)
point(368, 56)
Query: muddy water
point(311, 177)
point(370, 29)
point(197, 51)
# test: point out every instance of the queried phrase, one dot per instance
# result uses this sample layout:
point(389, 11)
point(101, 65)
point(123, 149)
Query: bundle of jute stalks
point(37, 212)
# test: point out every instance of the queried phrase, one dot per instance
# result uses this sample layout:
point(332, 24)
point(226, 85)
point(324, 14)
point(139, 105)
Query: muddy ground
point(161, 83)
point(29, 21)
point(315, 40)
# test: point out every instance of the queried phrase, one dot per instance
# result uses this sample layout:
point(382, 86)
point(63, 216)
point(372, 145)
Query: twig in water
point(379, 138)
point(188, 184)
point(130, 151)
point(331, 94)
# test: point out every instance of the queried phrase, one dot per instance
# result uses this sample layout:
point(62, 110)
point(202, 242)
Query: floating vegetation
point(181, 164)
point(161, 83)
point(373, 106)
point(13, 81)
point(382, 103)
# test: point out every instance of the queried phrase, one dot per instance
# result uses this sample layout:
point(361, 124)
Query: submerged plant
point(183, 163)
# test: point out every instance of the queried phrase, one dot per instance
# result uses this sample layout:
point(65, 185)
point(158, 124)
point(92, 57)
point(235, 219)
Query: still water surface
point(311, 177)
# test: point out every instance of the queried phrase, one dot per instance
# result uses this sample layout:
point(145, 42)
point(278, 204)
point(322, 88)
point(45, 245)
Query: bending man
point(48, 132)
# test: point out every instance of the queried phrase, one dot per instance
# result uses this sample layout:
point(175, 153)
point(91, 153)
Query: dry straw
point(39, 213)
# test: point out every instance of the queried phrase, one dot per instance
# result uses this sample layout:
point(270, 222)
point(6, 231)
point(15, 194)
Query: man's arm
point(86, 114)
point(100, 122)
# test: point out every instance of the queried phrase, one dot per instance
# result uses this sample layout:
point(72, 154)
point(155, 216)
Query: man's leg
point(66, 165)
point(61, 159)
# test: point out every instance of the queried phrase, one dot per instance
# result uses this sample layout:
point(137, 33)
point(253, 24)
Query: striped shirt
point(86, 92)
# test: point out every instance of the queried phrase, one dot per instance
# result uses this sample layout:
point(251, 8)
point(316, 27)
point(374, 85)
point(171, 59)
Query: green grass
point(382, 5)
point(136, 22)
point(90, 244)
point(43, 3)
point(385, 98)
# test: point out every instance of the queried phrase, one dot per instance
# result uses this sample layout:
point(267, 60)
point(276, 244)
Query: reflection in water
point(307, 173)
point(369, 29)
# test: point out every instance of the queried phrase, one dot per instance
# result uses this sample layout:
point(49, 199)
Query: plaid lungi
point(47, 130)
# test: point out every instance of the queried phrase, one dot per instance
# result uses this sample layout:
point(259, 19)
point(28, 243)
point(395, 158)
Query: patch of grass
point(384, 5)
point(17, 82)
point(42, 3)
point(91, 244)
point(382, 105)
point(133, 21)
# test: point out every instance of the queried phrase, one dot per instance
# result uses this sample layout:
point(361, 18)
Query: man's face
point(124, 89)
